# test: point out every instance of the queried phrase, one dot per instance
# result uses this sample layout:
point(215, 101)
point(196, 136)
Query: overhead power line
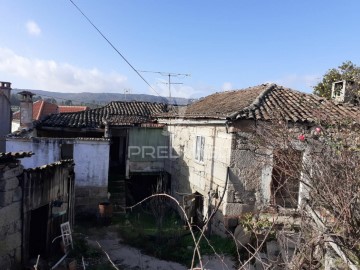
point(116, 50)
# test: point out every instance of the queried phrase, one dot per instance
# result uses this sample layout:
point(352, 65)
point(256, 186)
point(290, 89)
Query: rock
point(242, 236)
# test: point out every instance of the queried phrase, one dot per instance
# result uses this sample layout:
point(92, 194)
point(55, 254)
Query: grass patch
point(94, 257)
point(173, 242)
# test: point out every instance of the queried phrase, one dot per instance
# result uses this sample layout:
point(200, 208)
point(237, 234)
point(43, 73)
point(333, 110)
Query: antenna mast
point(169, 74)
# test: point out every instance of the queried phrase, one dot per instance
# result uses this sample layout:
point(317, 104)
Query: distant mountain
point(94, 99)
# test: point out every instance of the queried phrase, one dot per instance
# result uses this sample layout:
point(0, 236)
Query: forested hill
point(91, 99)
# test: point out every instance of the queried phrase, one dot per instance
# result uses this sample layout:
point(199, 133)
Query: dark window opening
point(285, 178)
point(118, 154)
point(139, 186)
point(338, 88)
point(67, 151)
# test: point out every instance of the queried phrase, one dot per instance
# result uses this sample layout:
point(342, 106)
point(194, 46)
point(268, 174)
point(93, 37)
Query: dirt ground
point(129, 258)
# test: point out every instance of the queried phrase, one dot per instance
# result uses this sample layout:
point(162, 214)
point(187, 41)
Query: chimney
point(5, 113)
point(26, 109)
point(344, 91)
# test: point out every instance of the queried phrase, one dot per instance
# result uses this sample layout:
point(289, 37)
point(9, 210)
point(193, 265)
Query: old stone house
point(33, 204)
point(99, 141)
point(214, 160)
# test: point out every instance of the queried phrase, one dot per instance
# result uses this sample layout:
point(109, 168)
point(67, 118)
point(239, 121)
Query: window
point(67, 151)
point(199, 149)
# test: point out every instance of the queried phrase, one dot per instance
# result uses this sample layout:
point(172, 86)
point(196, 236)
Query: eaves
point(178, 121)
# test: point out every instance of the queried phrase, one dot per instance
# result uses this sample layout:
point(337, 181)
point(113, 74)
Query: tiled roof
point(14, 155)
point(268, 101)
point(41, 109)
point(51, 165)
point(68, 109)
point(115, 113)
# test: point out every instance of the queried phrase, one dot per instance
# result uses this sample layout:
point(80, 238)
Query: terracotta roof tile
point(47, 109)
point(115, 113)
point(41, 109)
point(68, 109)
point(268, 101)
point(14, 155)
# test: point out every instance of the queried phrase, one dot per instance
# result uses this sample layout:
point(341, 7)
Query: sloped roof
point(68, 109)
point(115, 113)
point(4, 157)
point(41, 108)
point(265, 102)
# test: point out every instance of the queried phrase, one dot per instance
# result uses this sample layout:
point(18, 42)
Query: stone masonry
point(10, 213)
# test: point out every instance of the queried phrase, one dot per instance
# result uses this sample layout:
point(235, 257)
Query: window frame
point(199, 148)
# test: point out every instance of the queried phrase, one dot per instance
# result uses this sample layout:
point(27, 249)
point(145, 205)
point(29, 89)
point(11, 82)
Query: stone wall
point(87, 199)
point(188, 175)
point(91, 157)
point(21, 192)
point(10, 213)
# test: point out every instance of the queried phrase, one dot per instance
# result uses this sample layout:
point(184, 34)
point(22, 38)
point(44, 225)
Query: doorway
point(38, 232)
point(286, 174)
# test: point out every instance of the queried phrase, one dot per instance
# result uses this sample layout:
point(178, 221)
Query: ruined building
point(33, 204)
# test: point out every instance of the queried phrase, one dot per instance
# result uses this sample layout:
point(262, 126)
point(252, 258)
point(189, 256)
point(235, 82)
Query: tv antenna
point(127, 91)
point(169, 75)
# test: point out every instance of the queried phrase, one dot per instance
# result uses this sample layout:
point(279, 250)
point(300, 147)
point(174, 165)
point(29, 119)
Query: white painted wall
point(91, 157)
point(91, 163)
point(46, 150)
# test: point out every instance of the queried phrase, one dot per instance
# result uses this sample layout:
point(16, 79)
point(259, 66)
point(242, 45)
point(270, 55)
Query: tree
point(68, 102)
point(346, 71)
point(51, 100)
point(14, 100)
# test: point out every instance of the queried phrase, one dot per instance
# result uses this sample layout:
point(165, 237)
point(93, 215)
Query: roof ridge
point(40, 109)
point(256, 101)
point(260, 97)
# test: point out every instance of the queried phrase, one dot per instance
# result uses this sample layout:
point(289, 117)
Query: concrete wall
point(208, 177)
point(91, 171)
point(91, 157)
point(10, 213)
point(46, 150)
point(5, 115)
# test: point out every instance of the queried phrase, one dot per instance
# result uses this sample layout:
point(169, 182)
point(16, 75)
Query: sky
point(222, 45)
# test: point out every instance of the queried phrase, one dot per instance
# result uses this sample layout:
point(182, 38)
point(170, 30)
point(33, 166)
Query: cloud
point(32, 28)
point(51, 75)
point(226, 86)
point(299, 82)
point(184, 91)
